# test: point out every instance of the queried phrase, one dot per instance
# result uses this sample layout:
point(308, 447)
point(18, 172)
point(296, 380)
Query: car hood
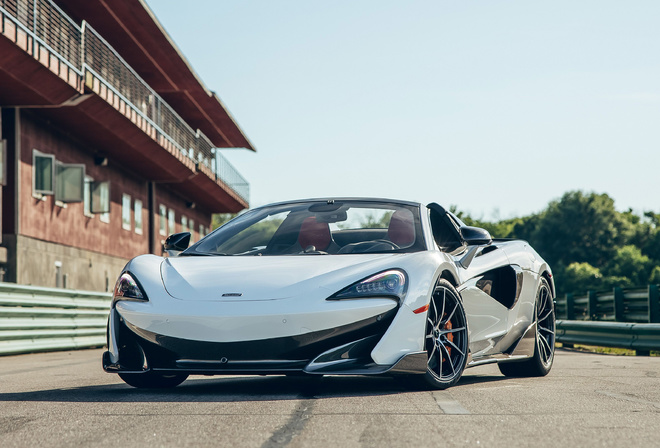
point(232, 278)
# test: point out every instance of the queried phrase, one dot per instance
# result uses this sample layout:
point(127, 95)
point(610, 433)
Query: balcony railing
point(49, 26)
point(86, 52)
point(230, 176)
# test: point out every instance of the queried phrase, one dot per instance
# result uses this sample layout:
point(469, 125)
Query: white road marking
point(447, 404)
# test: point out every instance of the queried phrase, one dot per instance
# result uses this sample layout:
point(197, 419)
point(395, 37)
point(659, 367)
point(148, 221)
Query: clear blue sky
point(495, 106)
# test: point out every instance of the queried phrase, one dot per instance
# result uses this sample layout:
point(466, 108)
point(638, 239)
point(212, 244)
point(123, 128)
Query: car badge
point(232, 294)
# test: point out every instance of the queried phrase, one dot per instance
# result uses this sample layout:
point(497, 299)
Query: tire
point(446, 339)
point(544, 347)
point(150, 380)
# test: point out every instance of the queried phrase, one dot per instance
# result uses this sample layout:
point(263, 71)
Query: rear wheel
point(151, 380)
point(544, 348)
point(446, 337)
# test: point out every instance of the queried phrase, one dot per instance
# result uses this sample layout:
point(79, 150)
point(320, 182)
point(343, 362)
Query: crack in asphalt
point(448, 404)
point(301, 414)
point(293, 427)
point(630, 398)
point(11, 424)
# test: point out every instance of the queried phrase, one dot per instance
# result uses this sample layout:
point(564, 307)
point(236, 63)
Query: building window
point(43, 173)
point(69, 182)
point(191, 229)
point(163, 220)
point(126, 211)
point(170, 221)
point(184, 223)
point(87, 197)
point(138, 216)
point(64, 180)
point(100, 194)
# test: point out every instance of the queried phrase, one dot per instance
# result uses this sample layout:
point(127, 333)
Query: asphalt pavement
point(64, 399)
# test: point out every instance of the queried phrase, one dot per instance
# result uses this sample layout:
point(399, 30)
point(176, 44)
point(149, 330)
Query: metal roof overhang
point(145, 45)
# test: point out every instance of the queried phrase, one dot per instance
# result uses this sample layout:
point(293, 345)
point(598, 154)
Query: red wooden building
point(109, 142)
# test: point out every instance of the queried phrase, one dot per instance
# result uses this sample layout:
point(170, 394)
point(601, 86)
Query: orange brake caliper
point(450, 336)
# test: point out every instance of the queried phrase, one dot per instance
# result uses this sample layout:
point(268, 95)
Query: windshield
point(318, 228)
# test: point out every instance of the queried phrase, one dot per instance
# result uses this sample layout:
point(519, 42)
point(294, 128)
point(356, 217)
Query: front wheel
point(446, 338)
point(151, 380)
point(544, 348)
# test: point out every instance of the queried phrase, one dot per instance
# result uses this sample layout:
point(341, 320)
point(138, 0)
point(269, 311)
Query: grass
point(605, 350)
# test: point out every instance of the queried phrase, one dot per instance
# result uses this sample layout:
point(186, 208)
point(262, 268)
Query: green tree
point(219, 219)
point(647, 236)
point(629, 262)
point(587, 242)
point(371, 221)
point(579, 227)
point(497, 229)
point(654, 278)
point(581, 277)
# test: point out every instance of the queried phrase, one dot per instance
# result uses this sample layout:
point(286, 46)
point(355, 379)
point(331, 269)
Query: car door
point(487, 313)
point(487, 317)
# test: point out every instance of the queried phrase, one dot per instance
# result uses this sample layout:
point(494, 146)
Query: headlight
point(389, 283)
point(127, 288)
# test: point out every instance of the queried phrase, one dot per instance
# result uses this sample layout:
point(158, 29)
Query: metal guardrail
point(623, 318)
point(36, 319)
point(633, 336)
point(84, 50)
point(619, 305)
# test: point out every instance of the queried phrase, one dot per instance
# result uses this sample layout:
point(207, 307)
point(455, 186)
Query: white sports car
point(345, 286)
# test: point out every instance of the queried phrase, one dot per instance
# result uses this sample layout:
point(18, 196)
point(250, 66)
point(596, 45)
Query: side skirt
point(519, 351)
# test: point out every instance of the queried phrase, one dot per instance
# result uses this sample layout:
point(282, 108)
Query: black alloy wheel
point(446, 337)
point(544, 347)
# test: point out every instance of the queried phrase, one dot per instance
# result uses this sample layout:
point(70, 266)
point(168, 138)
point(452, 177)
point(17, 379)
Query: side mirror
point(177, 242)
point(475, 236)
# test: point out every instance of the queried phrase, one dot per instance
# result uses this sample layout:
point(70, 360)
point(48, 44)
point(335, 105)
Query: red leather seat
point(313, 233)
point(401, 230)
